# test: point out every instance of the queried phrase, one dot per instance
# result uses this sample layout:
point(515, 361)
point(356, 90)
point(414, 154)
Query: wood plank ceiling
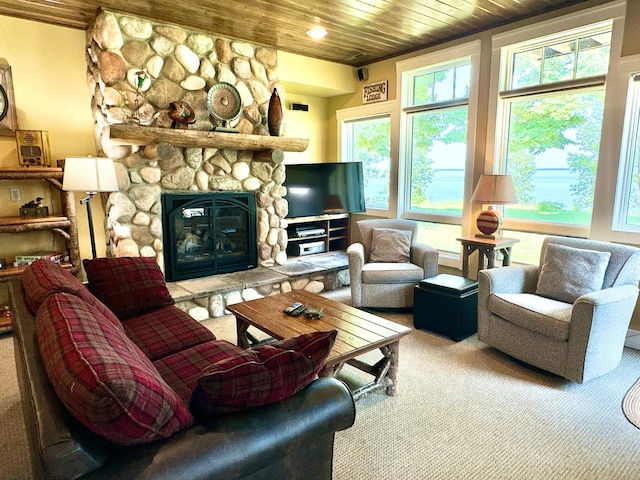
point(359, 31)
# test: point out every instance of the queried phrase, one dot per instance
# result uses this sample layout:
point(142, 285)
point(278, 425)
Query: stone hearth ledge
point(207, 297)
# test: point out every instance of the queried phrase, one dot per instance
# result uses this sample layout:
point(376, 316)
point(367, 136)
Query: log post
point(274, 155)
point(160, 151)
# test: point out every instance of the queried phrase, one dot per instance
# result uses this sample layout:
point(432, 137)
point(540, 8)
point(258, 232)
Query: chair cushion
point(102, 378)
point(181, 370)
point(164, 331)
point(538, 314)
point(568, 273)
point(390, 245)
point(129, 286)
point(43, 278)
point(381, 273)
point(261, 375)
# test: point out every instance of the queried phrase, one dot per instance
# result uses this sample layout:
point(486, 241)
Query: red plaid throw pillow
point(261, 375)
point(129, 286)
point(102, 378)
point(43, 278)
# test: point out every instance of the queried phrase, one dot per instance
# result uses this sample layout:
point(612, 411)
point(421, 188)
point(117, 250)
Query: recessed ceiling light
point(317, 32)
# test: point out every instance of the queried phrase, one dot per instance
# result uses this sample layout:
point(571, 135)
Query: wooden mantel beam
point(137, 135)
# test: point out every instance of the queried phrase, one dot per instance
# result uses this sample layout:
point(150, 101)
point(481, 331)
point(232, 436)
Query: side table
point(486, 248)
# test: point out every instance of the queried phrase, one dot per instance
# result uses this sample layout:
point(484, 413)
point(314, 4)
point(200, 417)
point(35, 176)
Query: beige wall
point(49, 79)
point(312, 125)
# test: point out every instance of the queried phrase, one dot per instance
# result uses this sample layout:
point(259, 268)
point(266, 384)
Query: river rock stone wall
point(180, 65)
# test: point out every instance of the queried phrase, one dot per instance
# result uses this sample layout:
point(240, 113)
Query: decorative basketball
point(488, 222)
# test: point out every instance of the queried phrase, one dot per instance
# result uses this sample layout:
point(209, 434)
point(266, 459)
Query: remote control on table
point(297, 311)
point(313, 313)
point(292, 307)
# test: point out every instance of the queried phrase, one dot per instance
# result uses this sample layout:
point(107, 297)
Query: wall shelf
point(137, 135)
point(65, 225)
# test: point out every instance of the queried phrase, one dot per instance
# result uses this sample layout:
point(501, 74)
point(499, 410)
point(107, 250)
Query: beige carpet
point(464, 411)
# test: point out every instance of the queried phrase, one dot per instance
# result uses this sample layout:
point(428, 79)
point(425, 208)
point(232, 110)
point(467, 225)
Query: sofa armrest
point(426, 257)
point(512, 279)
point(58, 443)
point(356, 257)
point(355, 254)
point(599, 324)
point(236, 445)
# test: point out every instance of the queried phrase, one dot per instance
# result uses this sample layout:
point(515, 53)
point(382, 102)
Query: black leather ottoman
point(446, 304)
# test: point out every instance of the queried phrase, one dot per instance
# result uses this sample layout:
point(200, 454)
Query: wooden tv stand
point(334, 236)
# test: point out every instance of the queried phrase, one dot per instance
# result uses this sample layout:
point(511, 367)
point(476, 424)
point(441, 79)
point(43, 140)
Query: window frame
point(370, 111)
point(630, 139)
point(406, 70)
point(545, 32)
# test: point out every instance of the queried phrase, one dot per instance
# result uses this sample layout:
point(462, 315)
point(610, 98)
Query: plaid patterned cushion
point(129, 286)
point(261, 375)
point(43, 278)
point(182, 369)
point(164, 331)
point(102, 378)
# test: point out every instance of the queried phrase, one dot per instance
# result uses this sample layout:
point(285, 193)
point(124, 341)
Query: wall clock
point(8, 122)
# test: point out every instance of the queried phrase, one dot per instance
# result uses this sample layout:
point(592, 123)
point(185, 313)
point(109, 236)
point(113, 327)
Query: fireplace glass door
point(208, 233)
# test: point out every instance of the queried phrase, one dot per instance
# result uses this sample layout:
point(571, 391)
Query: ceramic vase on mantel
point(274, 115)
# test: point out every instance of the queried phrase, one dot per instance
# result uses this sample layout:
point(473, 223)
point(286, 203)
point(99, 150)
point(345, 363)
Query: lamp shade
point(494, 190)
point(89, 174)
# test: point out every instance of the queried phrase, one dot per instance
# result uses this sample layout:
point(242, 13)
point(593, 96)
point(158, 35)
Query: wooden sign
point(375, 92)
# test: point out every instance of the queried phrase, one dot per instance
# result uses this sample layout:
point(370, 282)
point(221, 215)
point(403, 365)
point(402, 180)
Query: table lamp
point(90, 175)
point(492, 190)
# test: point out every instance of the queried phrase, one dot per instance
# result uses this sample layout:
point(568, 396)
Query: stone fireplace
point(182, 65)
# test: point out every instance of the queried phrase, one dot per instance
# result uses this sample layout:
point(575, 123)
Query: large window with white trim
point(550, 122)
point(368, 140)
point(436, 137)
point(436, 120)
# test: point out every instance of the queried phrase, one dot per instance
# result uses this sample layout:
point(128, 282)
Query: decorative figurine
point(182, 114)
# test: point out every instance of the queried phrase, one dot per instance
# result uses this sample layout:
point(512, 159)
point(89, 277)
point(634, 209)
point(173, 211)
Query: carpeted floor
point(464, 411)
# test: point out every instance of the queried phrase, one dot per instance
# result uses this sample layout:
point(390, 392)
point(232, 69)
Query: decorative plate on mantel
point(224, 104)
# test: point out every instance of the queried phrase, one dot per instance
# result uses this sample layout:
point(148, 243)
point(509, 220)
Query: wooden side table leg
point(491, 257)
point(466, 251)
point(506, 256)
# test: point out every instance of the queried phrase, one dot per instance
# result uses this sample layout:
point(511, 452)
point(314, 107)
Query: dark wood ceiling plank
point(377, 28)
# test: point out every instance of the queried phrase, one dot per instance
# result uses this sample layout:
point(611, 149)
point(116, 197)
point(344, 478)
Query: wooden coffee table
point(358, 332)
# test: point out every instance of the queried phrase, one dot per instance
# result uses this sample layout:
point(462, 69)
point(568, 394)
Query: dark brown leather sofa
point(290, 439)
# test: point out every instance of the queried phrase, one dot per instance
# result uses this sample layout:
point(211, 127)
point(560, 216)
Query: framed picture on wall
point(8, 119)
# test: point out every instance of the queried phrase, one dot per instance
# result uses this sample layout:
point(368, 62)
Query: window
point(627, 205)
point(436, 117)
point(436, 120)
point(368, 140)
point(552, 107)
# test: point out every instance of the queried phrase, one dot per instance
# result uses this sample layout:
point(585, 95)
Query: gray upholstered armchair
point(570, 314)
point(386, 263)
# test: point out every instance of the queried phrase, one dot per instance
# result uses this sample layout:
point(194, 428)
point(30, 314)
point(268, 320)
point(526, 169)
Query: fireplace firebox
point(208, 233)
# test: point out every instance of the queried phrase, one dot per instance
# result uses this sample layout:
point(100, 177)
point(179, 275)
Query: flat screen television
point(324, 188)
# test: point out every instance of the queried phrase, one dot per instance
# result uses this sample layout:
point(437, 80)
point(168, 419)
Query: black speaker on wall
point(363, 74)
